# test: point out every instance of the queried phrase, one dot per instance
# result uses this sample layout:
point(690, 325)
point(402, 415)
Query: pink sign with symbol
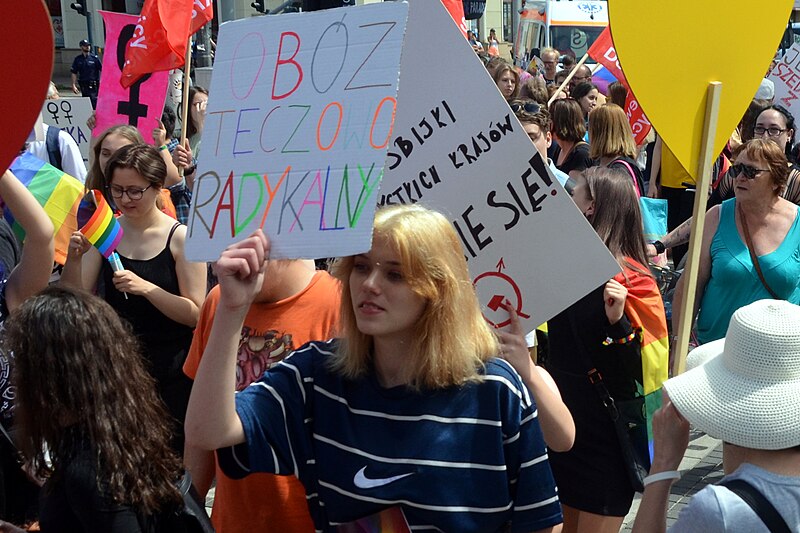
point(141, 105)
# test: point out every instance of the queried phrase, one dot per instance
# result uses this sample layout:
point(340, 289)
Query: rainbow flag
point(58, 193)
point(98, 223)
point(645, 309)
point(390, 520)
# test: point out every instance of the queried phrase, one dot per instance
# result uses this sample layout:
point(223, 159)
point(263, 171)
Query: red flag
point(161, 36)
point(604, 53)
point(456, 10)
point(636, 118)
point(159, 40)
point(202, 13)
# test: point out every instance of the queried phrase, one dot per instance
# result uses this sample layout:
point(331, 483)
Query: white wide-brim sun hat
point(747, 392)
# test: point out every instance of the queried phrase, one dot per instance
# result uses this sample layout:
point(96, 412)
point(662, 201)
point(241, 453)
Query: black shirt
point(73, 501)
point(87, 67)
point(578, 159)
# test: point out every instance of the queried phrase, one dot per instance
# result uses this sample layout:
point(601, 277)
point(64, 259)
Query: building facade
point(70, 27)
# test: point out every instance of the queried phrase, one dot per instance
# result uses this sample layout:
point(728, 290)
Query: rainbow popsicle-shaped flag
point(98, 223)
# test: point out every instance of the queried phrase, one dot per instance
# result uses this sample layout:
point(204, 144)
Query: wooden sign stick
point(705, 164)
point(185, 96)
point(569, 78)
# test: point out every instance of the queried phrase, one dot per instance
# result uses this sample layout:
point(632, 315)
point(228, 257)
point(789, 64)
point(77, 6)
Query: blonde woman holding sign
point(378, 420)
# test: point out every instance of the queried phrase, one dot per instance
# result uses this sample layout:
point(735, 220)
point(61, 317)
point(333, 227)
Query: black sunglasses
point(529, 107)
point(749, 172)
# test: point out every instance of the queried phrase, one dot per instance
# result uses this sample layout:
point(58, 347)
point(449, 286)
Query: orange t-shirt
point(266, 502)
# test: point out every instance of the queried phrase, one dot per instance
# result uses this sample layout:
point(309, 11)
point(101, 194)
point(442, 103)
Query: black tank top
point(165, 342)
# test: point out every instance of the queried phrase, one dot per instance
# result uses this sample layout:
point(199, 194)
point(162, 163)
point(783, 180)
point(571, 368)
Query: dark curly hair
point(78, 371)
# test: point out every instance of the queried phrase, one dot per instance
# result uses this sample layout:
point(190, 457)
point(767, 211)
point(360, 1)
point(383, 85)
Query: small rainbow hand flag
point(58, 193)
point(98, 223)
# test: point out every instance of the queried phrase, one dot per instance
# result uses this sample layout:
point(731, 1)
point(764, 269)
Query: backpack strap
point(758, 503)
point(53, 150)
point(634, 175)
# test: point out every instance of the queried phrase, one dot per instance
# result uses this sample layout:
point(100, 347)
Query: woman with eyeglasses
point(774, 123)
point(103, 147)
point(159, 292)
point(751, 243)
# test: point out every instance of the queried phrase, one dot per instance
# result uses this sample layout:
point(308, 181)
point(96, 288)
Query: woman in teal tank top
point(728, 279)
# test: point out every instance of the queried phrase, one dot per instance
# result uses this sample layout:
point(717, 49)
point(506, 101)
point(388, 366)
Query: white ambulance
point(569, 26)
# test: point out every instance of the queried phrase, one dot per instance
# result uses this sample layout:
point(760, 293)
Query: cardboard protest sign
point(70, 115)
point(299, 117)
point(786, 77)
point(140, 105)
point(468, 157)
point(670, 56)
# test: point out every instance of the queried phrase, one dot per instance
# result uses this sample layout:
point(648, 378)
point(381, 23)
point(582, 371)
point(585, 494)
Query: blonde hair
point(610, 133)
point(452, 341)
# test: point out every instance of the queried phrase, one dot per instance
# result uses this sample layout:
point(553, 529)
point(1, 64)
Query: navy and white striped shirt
point(468, 458)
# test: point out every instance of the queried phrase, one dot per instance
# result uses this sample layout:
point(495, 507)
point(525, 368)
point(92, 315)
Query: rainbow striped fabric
point(58, 193)
point(98, 223)
point(645, 309)
point(390, 520)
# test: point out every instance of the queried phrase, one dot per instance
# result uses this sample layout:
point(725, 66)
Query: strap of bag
point(602, 391)
point(758, 503)
point(633, 174)
point(749, 242)
point(53, 150)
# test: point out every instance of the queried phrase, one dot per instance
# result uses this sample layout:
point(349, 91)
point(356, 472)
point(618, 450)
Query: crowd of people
point(313, 398)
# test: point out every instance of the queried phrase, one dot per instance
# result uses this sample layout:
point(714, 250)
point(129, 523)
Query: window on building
point(117, 6)
point(507, 20)
point(54, 7)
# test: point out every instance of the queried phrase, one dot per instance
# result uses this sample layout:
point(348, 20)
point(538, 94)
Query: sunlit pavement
point(701, 466)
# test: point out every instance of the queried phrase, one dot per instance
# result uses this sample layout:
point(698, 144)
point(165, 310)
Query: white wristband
point(661, 476)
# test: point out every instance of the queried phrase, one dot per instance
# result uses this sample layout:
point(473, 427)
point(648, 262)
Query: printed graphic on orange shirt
point(258, 351)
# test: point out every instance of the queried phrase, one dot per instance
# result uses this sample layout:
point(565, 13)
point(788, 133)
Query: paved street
point(702, 465)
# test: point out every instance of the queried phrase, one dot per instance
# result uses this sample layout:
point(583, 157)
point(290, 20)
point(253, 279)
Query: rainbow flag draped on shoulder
point(645, 309)
point(57, 192)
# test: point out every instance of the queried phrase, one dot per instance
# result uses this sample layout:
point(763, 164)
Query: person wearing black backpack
point(744, 390)
point(60, 150)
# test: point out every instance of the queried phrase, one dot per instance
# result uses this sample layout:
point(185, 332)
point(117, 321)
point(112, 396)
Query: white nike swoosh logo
point(363, 482)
